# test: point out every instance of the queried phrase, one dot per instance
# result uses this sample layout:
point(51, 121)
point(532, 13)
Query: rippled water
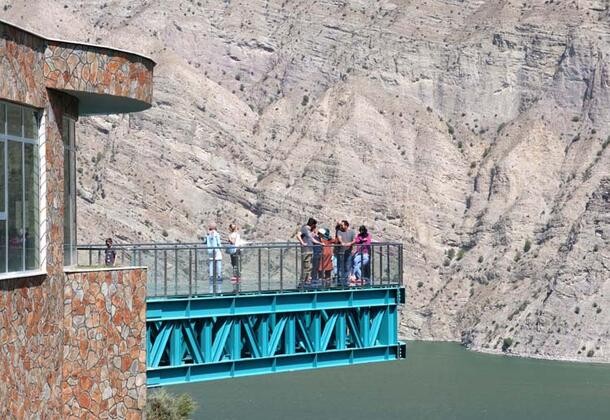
point(436, 381)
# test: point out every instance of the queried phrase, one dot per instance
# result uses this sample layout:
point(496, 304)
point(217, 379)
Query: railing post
point(165, 272)
point(156, 270)
point(190, 272)
point(268, 269)
point(281, 270)
point(196, 270)
point(400, 264)
point(259, 270)
point(296, 267)
point(388, 262)
point(380, 264)
point(372, 265)
point(176, 269)
point(214, 272)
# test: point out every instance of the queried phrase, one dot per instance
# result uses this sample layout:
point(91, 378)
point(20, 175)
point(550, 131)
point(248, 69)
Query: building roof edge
point(86, 44)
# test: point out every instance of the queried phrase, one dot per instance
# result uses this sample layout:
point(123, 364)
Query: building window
point(19, 189)
point(69, 192)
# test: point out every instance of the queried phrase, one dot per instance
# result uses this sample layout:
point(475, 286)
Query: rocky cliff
point(475, 132)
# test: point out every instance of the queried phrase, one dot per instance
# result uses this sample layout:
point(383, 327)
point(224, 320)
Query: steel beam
point(204, 338)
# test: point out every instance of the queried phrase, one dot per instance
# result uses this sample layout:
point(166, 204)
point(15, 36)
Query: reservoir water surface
point(436, 381)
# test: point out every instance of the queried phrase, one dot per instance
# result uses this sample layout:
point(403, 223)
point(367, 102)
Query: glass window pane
point(32, 180)
point(67, 209)
point(2, 118)
point(65, 131)
point(14, 120)
point(2, 184)
point(69, 193)
point(30, 124)
point(3, 240)
point(15, 207)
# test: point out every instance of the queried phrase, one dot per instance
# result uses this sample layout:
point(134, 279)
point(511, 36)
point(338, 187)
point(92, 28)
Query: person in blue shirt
point(214, 245)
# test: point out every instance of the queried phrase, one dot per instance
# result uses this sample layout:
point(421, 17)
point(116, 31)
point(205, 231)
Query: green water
point(436, 381)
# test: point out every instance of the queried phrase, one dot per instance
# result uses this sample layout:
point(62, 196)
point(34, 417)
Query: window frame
point(37, 141)
point(70, 244)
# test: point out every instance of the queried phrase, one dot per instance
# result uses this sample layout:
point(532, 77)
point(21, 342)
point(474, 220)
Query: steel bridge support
point(206, 338)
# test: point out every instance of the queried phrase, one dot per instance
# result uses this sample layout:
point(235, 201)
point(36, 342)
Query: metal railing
point(187, 269)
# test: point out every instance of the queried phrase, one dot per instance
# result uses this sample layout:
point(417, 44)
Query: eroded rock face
point(478, 127)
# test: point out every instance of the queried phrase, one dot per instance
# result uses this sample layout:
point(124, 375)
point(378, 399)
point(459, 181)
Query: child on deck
point(326, 261)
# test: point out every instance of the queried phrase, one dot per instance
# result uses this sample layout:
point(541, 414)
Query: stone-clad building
point(72, 340)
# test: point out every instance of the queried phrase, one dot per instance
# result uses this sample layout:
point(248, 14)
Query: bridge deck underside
point(207, 338)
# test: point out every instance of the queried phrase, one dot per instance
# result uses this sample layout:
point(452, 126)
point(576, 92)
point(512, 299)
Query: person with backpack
point(214, 245)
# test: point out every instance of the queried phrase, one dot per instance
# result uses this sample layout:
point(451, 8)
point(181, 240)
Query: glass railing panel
point(193, 269)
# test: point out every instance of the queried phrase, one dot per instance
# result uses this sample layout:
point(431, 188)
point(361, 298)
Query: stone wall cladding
point(98, 70)
point(31, 309)
point(104, 368)
point(21, 67)
point(30, 348)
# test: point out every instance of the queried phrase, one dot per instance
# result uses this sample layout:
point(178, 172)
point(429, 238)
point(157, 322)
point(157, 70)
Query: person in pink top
point(361, 254)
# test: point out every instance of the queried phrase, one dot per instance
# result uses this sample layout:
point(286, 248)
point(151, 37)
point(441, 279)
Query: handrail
point(188, 269)
point(203, 245)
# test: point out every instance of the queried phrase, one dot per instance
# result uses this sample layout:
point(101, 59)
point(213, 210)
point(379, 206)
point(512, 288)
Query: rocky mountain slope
point(475, 132)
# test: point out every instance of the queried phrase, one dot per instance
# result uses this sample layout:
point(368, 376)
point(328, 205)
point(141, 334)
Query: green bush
point(161, 405)
point(460, 254)
point(451, 253)
point(590, 353)
point(507, 343)
point(527, 246)
point(420, 284)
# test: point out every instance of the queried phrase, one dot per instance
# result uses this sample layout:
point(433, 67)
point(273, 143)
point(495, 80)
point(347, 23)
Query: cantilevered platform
point(271, 322)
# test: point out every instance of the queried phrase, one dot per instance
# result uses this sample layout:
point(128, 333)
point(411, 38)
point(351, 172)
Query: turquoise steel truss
point(212, 337)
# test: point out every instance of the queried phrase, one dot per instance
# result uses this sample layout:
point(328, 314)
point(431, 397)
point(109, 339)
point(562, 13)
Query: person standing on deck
point(214, 258)
point(234, 252)
point(316, 257)
point(361, 257)
point(109, 254)
point(326, 262)
point(346, 236)
point(305, 238)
